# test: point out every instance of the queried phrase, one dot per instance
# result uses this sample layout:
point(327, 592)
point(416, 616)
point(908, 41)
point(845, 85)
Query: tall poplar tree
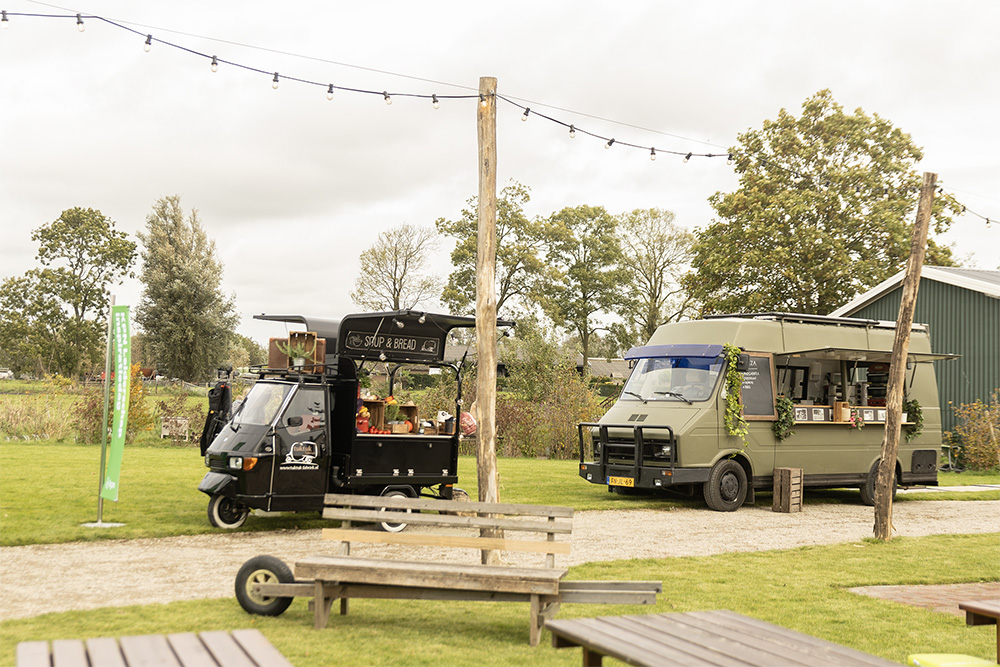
point(187, 319)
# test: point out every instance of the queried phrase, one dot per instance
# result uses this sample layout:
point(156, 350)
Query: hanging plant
point(735, 422)
point(786, 410)
point(857, 421)
point(915, 415)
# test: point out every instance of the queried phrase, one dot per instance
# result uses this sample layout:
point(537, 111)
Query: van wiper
point(675, 395)
point(632, 393)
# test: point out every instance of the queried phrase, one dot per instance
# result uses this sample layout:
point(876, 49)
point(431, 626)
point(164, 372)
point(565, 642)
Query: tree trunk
point(486, 306)
point(897, 366)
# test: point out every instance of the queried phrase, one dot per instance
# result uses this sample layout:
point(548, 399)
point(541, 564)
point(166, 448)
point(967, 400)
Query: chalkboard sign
point(757, 393)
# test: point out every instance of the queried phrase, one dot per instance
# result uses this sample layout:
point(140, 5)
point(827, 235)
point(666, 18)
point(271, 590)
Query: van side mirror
point(294, 421)
point(742, 363)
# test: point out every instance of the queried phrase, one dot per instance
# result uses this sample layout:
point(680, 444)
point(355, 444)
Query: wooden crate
point(376, 413)
point(787, 490)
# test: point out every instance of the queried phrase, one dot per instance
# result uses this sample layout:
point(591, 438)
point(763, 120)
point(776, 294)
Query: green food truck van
point(668, 428)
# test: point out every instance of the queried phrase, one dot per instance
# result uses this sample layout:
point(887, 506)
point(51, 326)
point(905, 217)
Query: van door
point(302, 454)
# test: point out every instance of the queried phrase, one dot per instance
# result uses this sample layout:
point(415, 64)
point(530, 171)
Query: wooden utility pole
point(897, 365)
point(486, 304)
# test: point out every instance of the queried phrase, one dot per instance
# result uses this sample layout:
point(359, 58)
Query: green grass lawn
point(49, 489)
point(803, 589)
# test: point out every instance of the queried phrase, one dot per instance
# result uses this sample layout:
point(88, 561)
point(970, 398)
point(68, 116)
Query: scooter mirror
point(294, 421)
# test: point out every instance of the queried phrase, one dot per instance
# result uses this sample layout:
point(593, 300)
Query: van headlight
point(236, 463)
point(662, 451)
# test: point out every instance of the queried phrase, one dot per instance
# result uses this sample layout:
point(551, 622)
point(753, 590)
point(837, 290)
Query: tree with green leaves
point(395, 270)
point(824, 211)
point(54, 317)
point(520, 242)
point(585, 251)
point(187, 319)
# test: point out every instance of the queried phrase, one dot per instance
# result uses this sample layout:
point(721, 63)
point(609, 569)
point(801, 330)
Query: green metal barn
point(962, 309)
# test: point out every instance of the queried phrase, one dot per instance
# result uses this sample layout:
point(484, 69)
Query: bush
point(90, 411)
point(977, 432)
point(33, 418)
point(178, 407)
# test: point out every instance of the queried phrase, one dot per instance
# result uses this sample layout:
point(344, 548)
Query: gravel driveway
point(89, 575)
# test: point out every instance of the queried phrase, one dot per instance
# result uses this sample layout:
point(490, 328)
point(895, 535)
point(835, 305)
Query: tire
point(389, 526)
point(868, 488)
point(726, 488)
point(226, 513)
point(262, 570)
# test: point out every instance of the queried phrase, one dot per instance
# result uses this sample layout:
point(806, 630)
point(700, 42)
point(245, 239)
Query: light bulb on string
point(609, 144)
point(149, 43)
point(79, 23)
point(274, 83)
point(572, 132)
point(6, 23)
point(385, 94)
point(729, 160)
point(483, 102)
point(436, 105)
point(329, 92)
point(652, 154)
point(524, 118)
point(687, 158)
point(215, 64)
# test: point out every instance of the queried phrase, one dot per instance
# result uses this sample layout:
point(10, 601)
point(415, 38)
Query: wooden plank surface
point(225, 650)
point(148, 650)
point(105, 651)
point(349, 500)
point(260, 649)
point(375, 516)
point(424, 574)
point(69, 653)
point(437, 540)
point(701, 639)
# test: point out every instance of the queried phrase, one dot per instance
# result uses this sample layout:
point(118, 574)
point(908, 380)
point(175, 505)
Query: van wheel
point(388, 526)
point(726, 488)
point(262, 570)
point(868, 488)
point(226, 513)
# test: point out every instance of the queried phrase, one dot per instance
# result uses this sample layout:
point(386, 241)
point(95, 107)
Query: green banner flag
point(122, 379)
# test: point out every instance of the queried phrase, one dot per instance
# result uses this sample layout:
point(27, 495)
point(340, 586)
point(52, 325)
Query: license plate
point(621, 481)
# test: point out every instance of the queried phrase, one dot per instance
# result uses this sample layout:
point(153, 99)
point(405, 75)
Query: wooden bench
point(206, 649)
point(345, 576)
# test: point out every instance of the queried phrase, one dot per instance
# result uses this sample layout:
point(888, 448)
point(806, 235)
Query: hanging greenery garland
point(735, 422)
point(782, 428)
point(915, 415)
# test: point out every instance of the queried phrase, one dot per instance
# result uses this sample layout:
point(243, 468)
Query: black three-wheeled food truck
point(296, 435)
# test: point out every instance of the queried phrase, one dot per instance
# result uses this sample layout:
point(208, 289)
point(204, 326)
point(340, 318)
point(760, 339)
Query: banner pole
point(104, 421)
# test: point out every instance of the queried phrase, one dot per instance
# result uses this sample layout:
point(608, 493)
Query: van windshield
point(680, 379)
point(261, 405)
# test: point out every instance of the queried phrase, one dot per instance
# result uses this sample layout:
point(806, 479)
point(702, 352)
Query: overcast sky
point(292, 186)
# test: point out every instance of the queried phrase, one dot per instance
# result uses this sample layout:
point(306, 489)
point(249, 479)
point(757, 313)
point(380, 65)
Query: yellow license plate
point(621, 481)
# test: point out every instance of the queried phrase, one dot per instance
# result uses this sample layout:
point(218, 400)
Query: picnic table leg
point(591, 658)
point(535, 619)
point(321, 604)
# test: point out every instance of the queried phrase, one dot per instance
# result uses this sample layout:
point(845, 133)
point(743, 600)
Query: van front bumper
point(647, 478)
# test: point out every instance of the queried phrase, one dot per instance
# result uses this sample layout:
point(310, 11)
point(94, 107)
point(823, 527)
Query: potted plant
point(297, 352)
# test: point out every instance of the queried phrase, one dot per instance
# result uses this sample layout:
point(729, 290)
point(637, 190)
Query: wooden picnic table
point(983, 612)
point(700, 639)
point(215, 648)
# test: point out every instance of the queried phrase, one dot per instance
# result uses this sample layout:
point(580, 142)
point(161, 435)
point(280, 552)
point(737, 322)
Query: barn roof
point(977, 280)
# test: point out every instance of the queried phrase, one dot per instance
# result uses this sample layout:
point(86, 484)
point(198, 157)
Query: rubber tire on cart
point(868, 488)
point(262, 570)
point(388, 526)
point(726, 488)
point(226, 513)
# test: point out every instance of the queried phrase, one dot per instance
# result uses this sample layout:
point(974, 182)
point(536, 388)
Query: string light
point(385, 94)
point(274, 83)
point(729, 160)
point(215, 64)
point(527, 110)
point(687, 157)
point(79, 23)
point(652, 153)
point(608, 145)
point(149, 43)
point(6, 23)
point(436, 105)
point(483, 101)
point(329, 92)
point(572, 132)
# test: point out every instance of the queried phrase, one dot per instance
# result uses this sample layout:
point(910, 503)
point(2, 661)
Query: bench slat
point(190, 650)
point(458, 541)
point(259, 648)
point(104, 651)
point(420, 574)
point(349, 500)
point(375, 516)
point(602, 585)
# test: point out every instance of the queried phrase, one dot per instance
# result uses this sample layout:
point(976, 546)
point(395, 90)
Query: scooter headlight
point(236, 462)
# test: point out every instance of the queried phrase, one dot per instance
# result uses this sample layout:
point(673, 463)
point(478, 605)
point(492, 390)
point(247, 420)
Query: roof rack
point(805, 317)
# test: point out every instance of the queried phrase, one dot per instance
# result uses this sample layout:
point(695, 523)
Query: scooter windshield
point(261, 405)
point(683, 379)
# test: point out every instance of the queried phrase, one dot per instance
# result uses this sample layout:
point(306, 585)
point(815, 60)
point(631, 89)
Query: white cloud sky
point(293, 187)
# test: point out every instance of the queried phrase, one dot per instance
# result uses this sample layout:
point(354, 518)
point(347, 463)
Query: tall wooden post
point(486, 304)
point(897, 365)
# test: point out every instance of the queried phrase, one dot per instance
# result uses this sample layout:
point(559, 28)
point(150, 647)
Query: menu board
point(757, 393)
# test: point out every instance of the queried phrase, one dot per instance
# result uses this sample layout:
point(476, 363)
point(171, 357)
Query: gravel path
point(41, 578)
